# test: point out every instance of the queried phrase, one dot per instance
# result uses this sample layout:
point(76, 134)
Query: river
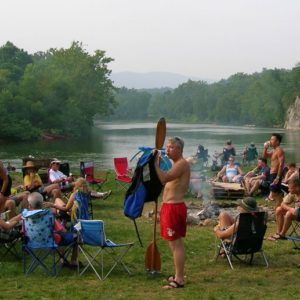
point(109, 140)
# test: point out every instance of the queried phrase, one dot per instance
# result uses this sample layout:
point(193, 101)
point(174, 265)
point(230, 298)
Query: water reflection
point(108, 140)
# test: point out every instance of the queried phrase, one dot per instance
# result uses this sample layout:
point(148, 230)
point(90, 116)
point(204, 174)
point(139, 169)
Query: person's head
point(229, 142)
point(55, 163)
point(247, 204)
point(29, 167)
point(292, 166)
point(231, 159)
point(294, 186)
point(175, 147)
point(81, 185)
point(262, 162)
point(35, 200)
point(276, 139)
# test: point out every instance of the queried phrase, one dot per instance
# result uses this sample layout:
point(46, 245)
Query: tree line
point(260, 99)
point(62, 91)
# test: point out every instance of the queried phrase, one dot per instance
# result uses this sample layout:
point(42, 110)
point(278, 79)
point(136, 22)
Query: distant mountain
point(149, 80)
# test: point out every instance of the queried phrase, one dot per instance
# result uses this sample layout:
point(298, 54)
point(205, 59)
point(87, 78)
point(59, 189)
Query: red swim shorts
point(173, 221)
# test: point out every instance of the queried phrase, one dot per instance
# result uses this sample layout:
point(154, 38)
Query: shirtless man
point(277, 164)
point(173, 212)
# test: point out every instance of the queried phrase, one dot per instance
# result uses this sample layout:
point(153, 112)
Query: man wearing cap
point(227, 224)
point(56, 176)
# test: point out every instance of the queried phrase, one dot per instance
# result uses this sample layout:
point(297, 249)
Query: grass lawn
point(205, 278)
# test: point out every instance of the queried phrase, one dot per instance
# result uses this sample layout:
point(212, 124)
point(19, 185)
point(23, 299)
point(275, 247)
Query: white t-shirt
point(56, 175)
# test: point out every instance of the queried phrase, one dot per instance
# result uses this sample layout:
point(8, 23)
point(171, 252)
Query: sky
point(206, 39)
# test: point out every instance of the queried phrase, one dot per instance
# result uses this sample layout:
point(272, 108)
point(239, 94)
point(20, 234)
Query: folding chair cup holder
point(91, 234)
point(247, 240)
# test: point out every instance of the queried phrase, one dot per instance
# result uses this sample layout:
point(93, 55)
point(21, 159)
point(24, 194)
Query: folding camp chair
point(83, 206)
point(294, 234)
point(8, 241)
point(247, 240)
point(122, 171)
point(39, 244)
point(91, 233)
point(87, 171)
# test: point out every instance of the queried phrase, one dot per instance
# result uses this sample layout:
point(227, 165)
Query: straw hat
point(249, 204)
point(29, 164)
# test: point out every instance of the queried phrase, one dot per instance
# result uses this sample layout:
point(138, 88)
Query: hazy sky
point(204, 38)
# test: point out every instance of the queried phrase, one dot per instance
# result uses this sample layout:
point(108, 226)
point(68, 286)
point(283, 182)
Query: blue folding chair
point(91, 233)
point(39, 244)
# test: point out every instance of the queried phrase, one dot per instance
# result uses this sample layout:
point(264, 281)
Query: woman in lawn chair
point(69, 210)
point(227, 224)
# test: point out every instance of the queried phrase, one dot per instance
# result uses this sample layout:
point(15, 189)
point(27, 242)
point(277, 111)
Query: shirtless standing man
point(277, 163)
point(173, 212)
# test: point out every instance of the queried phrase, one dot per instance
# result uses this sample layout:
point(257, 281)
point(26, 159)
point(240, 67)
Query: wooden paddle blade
point(160, 133)
point(152, 258)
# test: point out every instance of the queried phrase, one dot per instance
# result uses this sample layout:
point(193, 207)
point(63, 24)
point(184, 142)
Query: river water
point(109, 140)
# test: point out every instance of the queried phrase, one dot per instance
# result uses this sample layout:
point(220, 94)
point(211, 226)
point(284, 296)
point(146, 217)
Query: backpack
point(145, 186)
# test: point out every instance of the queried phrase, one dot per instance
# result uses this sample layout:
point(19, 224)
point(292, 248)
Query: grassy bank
point(205, 278)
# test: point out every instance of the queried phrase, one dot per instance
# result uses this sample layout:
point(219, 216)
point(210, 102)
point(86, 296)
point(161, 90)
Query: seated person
point(9, 167)
point(33, 183)
point(80, 185)
point(9, 229)
point(292, 173)
point(6, 204)
point(35, 201)
point(56, 176)
point(195, 179)
point(228, 151)
point(231, 172)
point(285, 213)
point(259, 177)
point(250, 153)
point(227, 224)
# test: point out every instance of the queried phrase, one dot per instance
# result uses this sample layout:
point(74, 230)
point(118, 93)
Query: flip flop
point(171, 278)
point(276, 237)
point(173, 285)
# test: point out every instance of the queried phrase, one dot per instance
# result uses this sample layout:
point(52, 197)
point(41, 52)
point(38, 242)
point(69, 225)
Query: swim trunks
point(173, 221)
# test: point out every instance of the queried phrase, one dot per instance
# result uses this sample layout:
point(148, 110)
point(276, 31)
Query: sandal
point(173, 285)
point(276, 237)
point(171, 278)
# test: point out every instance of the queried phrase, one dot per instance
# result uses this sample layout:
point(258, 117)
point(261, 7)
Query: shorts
point(275, 188)
point(173, 221)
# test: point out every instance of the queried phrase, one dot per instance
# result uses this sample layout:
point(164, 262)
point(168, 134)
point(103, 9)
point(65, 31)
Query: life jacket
point(145, 185)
